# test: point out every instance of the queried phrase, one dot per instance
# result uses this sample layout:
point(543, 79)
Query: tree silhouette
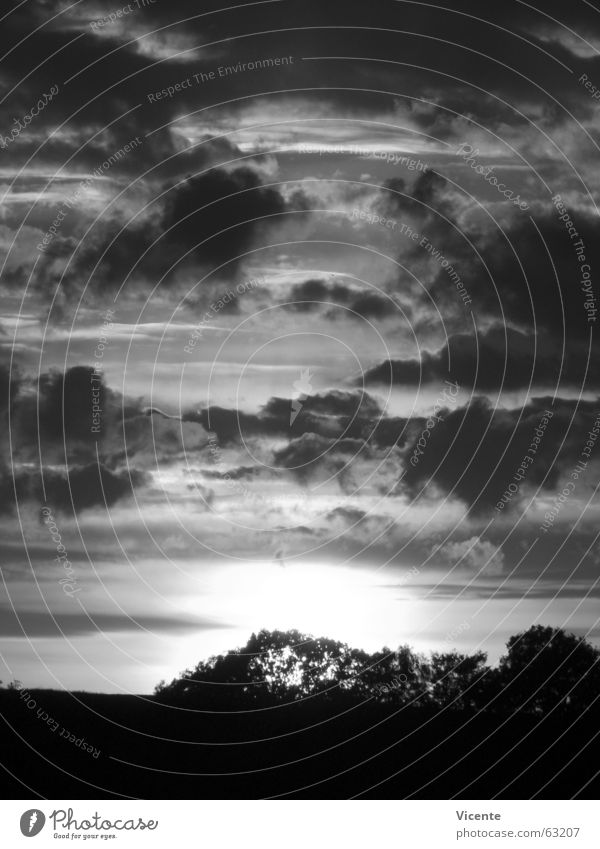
point(273, 665)
point(456, 680)
point(294, 665)
point(544, 669)
point(394, 677)
point(547, 669)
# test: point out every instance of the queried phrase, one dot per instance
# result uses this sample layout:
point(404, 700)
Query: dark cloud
point(348, 515)
point(315, 294)
point(66, 402)
point(371, 305)
point(310, 294)
point(231, 425)
point(10, 382)
point(513, 279)
point(37, 625)
point(79, 488)
point(70, 417)
point(533, 274)
point(430, 39)
point(201, 222)
point(500, 358)
point(54, 448)
point(240, 473)
point(526, 273)
point(225, 208)
point(333, 415)
point(474, 452)
point(311, 453)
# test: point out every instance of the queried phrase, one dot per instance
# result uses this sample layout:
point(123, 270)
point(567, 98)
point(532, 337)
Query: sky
point(298, 329)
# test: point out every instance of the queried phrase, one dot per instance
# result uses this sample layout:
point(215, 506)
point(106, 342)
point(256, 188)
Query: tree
point(394, 677)
point(294, 665)
point(546, 668)
point(455, 680)
point(272, 666)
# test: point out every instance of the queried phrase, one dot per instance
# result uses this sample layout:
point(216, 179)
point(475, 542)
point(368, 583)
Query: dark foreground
point(139, 748)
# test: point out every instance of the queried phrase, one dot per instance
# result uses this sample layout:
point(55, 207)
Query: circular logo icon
point(32, 822)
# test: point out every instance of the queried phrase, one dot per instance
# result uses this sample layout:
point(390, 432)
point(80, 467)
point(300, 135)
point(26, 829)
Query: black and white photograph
point(300, 400)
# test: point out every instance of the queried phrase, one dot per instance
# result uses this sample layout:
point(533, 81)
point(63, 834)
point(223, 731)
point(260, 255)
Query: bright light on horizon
point(349, 604)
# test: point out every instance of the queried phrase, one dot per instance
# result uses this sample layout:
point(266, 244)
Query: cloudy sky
point(298, 328)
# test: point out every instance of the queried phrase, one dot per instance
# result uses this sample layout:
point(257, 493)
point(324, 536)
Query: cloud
point(331, 414)
point(198, 223)
point(66, 402)
point(310, 452)
point(533, 274)
point(53, 454)
point(37, 625)
point(500, 358)
point(314, 295)
point(304, 295)
point(474, 452)
point(223, 210)
point(475, 554)
point(74, 490)
point(68, 417)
